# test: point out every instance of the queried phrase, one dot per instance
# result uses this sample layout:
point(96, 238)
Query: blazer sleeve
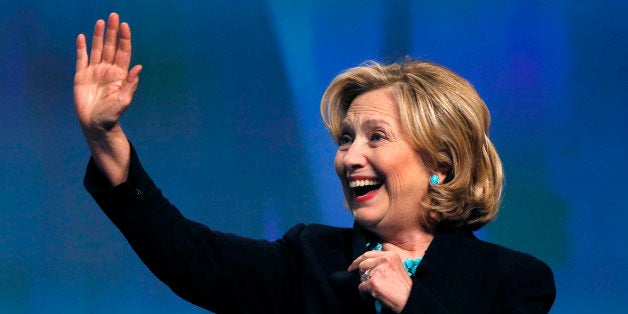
point(217, 271)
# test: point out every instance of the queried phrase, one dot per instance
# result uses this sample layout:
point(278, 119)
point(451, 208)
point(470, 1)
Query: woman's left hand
point(388, 281)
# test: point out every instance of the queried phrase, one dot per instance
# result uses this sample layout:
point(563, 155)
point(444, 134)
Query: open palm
point(103, 85)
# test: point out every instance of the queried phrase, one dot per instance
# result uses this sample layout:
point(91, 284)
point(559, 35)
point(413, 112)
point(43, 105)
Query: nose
point(354, 157)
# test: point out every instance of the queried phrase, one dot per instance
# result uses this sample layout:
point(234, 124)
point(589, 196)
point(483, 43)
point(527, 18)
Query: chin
point(364, 218)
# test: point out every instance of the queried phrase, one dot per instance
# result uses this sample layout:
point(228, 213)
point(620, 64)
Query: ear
point(436, 216)
point(444, 174)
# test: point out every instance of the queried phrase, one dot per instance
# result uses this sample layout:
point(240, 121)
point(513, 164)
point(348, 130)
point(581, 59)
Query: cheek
point(338, 165)
point(398, 183)
point(407, 178)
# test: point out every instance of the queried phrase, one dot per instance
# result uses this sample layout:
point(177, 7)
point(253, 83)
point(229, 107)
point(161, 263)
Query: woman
point(418, 172)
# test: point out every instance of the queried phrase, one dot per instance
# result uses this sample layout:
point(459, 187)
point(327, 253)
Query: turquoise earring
point(434, 179)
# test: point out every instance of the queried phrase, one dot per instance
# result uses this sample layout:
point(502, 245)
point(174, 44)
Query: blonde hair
point(447, 121)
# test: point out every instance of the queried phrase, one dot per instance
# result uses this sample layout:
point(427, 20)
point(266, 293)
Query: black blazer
point(305, 271)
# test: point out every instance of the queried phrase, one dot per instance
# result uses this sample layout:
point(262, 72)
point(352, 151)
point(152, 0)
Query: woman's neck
point(411, 244)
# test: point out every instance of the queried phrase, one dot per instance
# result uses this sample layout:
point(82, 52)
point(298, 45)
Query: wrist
point(111, 152)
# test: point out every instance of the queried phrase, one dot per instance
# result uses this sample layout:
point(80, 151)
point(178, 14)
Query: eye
point(345, 139)
point(377, 136)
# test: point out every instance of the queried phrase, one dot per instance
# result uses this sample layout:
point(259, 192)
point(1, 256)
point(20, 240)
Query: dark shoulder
point(508, 259)
point(525, 283)
point(457, 264)
point(518, 273)
point(468, 252)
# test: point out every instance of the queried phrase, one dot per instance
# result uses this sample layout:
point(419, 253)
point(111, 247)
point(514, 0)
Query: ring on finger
point(365, 276)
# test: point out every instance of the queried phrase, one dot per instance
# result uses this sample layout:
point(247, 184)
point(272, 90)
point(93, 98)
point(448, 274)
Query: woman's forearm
point(111, 152)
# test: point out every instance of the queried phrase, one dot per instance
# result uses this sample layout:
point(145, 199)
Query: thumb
point(130, 84)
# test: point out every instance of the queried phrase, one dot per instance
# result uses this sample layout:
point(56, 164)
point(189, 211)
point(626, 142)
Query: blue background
point(226, 120)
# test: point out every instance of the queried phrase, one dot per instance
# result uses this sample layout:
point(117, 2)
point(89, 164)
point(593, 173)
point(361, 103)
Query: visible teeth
point(357, 183)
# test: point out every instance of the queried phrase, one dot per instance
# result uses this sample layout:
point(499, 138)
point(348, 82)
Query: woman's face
point(383, 177)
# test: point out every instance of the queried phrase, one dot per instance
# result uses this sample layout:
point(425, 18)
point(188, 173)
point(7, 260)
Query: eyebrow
point(370, 122)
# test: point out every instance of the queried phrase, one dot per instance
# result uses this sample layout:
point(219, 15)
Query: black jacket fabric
point(305, 270)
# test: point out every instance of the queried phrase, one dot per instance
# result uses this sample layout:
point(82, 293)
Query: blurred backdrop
point(226, 120)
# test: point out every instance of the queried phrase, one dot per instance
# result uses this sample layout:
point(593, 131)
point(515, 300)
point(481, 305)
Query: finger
point(371, 288)
point(356, 263)
point(111, 39)
point(361, 258)
point(134, 75)
point(96, 54)
point(370, 265)
point(130, 84)
point(81, 53)
point(365, 289)
point(123, 54)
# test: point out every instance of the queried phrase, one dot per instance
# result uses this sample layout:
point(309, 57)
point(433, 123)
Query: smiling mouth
point(362, 187)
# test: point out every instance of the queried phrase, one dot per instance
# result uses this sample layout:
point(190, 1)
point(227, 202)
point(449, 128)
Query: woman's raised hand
point(103, 85)
point(103, 90)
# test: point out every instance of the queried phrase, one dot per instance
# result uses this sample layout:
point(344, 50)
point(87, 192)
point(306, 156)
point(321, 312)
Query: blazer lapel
point(345, 283)
point(449, 269)
point(443, 251)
